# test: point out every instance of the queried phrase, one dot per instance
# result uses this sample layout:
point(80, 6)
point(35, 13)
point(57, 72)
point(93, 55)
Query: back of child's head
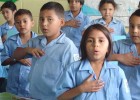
point(23, 12)
point(86, 35)
point(81, 1)
point(136, 13)
point(102, 2)
point(10, 5)
point(57, 7)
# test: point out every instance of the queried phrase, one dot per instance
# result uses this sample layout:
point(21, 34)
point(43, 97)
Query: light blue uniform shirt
point(3, 72)
point(6, 31)
point(46, 70)
point(17, 73)
point(75, 34)
point(132, 73)
point(115, 24)
point(115, 87)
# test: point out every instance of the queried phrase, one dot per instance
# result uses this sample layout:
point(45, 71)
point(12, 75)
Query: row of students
point(45, 46)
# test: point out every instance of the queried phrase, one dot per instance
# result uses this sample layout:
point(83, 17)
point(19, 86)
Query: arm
point(72, 23)
point(20, 52)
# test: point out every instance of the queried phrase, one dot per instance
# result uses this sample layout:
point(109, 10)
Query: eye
point(101, 41)
point(90, 41)
point(50, 19)
point(41, 19)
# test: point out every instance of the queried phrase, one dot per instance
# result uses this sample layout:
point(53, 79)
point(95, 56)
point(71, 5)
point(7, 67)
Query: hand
point(109, 29)
point(73, 23)
point(36, 52)
point(26, 62)
point(129, 60)
point(91, 86)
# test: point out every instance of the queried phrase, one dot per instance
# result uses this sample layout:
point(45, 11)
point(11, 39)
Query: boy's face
point(50, 23)
point(24, 24)
point(75, 5)
point(107, 10)
point(8, 14)
point(134, 29)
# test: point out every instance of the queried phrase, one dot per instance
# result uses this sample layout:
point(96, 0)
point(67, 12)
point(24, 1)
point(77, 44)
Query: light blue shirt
point(5, 30)
point(115, 87)
point(132, 73)
point(119, 28)
point(46, 70)
point(17, 73)
point(75, 34)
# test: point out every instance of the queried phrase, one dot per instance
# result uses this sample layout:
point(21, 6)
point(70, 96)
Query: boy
point(75, 21)
point(50, 52)
point(127, 53)
point(8, 10)
point(18, 70)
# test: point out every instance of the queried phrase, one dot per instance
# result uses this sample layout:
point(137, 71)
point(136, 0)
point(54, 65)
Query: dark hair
point(57, 7)
point(10, 5)
point(136, 13)
point(23, 12)
point(81, 1)
point(85, 37)
point(102, 2)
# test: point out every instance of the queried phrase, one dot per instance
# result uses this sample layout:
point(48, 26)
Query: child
point(18, 70)
point(8, 10)
point(127, 53)
point(94, 78)
point(50, 52)
point(75, 21)
point(107, 9)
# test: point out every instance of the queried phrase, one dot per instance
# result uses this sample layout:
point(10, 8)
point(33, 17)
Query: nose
point(95, 44)
point(135, 30)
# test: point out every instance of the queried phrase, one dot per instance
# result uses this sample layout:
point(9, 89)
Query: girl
point(127, 53)
point(94, 78)
point(107, 9)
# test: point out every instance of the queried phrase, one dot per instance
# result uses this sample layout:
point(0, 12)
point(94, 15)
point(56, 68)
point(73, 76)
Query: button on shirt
point(115, 87)
point(75, 34)
point(132, 73)
point(46, 70)
point(17, 73)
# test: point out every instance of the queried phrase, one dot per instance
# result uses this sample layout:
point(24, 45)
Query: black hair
point(102, 2)
point(57, 7)
point(85, 37)
point(81, 1)
point(10, 5)
point(23, 12)
point(136, 13)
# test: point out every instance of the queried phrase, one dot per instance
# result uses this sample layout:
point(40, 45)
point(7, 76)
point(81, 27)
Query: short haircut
point(10, 5)
point(85, 37)
point(81, 1)
point(102, 2)
point(57, 7)
point(23, 12)
point(136, 13)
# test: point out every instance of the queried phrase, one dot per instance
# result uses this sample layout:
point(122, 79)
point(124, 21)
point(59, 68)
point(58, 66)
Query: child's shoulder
point(4, 25)
point(127, 41)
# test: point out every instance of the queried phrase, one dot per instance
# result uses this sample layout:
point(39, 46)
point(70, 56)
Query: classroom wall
point(34, 6)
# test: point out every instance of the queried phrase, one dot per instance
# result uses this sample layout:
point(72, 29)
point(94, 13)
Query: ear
point(62, 22)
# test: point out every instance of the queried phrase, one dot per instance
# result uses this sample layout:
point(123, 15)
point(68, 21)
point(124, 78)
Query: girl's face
point(96, 45)
point(107, 10)
point(75, 5)
point(8, 14)
point(134, 29)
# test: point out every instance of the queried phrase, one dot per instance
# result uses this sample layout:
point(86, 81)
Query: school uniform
point(75, 34)
point(115, 87)
point(18, 73)
point(132, 73)
point(5, 29)
point(46, 70)
point(3, 72)
point(115, 24)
